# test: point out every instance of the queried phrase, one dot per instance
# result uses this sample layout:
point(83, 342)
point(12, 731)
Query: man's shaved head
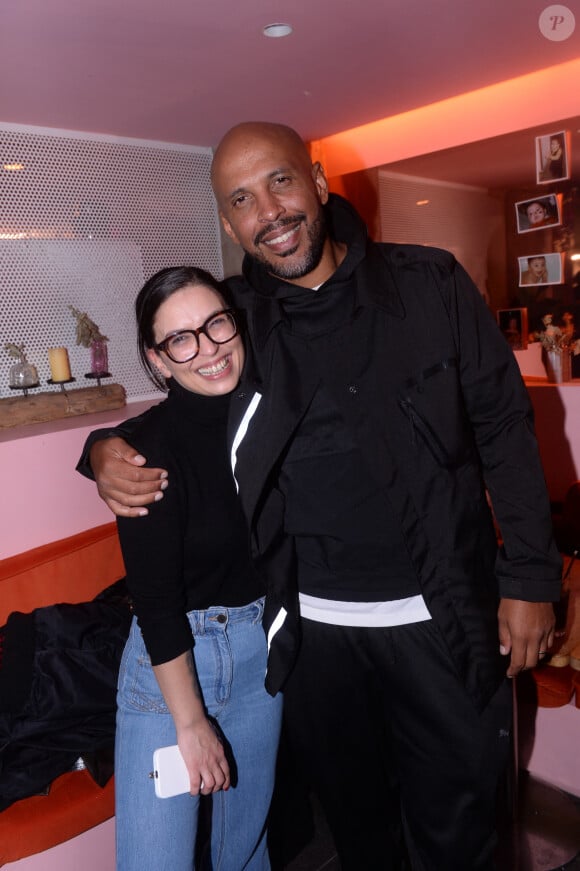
point(246, 137)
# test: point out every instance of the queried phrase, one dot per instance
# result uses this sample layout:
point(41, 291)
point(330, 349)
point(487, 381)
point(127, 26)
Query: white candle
point(59, 364)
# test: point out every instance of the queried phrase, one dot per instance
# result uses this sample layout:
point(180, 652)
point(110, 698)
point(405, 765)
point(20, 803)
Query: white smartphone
point(169, 772)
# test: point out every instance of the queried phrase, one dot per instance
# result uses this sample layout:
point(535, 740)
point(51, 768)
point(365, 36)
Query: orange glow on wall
point(545, 96)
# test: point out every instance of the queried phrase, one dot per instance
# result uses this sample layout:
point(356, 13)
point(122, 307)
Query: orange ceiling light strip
point(515, 104)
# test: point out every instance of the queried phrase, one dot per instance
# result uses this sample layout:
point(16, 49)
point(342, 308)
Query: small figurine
point(569, 327)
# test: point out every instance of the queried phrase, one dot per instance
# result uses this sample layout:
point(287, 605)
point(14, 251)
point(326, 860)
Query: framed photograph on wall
point(513, 322)
point(552, 157)
point(541, 212)
point(541, 269)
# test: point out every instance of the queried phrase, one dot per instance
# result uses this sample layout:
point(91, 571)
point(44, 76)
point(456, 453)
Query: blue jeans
point(159, 834)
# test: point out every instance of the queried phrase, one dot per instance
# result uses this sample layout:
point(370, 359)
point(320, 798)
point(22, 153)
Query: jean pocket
point(138, 687)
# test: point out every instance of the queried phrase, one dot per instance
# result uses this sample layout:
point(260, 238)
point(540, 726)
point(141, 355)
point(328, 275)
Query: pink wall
point(552, 755)
point(44, 499)
point(92, 851)
point(557, 409)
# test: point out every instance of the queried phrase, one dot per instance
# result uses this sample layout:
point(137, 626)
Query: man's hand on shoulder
point(122, 479)
point(526, 632)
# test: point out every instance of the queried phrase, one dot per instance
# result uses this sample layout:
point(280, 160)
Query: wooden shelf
point(58, 404)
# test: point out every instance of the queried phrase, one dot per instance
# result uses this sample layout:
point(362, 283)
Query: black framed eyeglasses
point(183, 345)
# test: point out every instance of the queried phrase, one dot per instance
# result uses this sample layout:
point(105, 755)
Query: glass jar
point(22, 375)
point(99, 357)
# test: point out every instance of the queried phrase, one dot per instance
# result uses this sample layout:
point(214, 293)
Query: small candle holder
point(61, 383)
point(24, 387)
point(98, 376)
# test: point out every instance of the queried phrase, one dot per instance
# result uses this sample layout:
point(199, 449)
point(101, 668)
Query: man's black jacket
point(434, 397)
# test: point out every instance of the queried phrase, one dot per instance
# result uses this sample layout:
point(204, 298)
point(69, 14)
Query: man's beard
point(317, 234)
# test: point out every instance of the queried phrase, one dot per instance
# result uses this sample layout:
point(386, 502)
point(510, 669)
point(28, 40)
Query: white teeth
point(280, 239)
point(216, 368)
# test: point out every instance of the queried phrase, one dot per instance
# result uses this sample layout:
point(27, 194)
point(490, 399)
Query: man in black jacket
point(382, 406)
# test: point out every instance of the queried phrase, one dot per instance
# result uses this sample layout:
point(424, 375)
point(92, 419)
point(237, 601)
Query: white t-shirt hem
point(399, 612)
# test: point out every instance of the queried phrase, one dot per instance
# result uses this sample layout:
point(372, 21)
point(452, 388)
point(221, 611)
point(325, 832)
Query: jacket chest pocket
point(433, 405)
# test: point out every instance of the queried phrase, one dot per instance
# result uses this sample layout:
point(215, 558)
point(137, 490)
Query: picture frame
point(513, 322)
point(538, 269)
point(553, 157)
point(539, 213)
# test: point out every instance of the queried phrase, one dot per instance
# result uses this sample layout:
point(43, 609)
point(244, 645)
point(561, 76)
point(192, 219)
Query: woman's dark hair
point(152, 295)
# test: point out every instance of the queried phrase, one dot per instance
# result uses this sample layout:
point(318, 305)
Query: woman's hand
point(204, 756)
point(197, 737)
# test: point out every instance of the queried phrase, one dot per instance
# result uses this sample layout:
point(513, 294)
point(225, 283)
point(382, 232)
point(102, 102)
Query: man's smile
point(281, 237)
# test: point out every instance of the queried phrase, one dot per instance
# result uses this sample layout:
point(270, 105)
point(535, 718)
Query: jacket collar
point(366, 268)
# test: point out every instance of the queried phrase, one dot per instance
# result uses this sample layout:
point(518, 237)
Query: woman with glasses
point(193, 669)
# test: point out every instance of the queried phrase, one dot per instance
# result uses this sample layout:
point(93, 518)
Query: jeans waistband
point(218, 618)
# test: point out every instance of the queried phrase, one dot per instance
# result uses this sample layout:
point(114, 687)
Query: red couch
point(43, 576)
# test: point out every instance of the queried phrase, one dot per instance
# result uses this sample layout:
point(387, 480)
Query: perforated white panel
point(85, 222)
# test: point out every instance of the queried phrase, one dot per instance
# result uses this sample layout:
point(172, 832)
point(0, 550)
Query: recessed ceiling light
point(277, 30)
point(13, 167)
point(422, 203)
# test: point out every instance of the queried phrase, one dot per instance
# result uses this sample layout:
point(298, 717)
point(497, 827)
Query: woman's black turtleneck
point(191, 551)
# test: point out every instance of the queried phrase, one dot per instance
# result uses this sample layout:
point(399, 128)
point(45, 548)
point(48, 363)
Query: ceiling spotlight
point(422, 203)
point(277, 30)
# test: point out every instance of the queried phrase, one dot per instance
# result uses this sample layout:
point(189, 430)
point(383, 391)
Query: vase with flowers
point(90, 336)
point(558, 347)
point(22, 375)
